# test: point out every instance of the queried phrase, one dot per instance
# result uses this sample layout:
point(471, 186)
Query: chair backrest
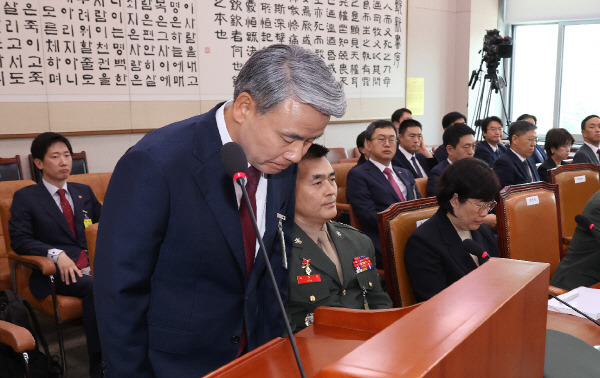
point(91, 233)
point(348, 160)
point(396, 224)
point(341, 173)
point(80, 166)
point(335, 154)
point(577, 183)
point(10, 169)
point(529, 224)
point(97, 181)
point(421, 183)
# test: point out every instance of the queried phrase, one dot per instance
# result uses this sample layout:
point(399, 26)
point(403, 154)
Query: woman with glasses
point(434, 255)
point(557, 145)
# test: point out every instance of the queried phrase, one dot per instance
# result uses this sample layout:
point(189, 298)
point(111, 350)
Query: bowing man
point(376, 184)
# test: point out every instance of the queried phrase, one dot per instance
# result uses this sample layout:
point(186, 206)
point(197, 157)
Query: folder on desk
point(583, 298)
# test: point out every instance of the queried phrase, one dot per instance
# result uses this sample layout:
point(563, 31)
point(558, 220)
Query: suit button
point(235, 339)
point(344, 292)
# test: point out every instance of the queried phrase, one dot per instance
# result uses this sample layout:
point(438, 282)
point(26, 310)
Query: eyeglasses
point(382, 140)
point(531, 140)
point(488, 207)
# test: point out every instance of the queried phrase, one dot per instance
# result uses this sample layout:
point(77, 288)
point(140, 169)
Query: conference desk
point(505, 310)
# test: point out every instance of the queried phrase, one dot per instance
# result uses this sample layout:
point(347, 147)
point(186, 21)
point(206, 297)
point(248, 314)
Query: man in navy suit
point(412, 153)
point(181, 288)
point(448, 120)
point(49, 219)
point(590, 130)
point(514, 167)
point(376, 184)
point(539, 155)
point(491, 147)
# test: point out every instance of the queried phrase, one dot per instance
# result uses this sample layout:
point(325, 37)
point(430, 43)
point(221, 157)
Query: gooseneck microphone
point(574, 309)
point(235, 163)
point(474, 248)
point(585, 222)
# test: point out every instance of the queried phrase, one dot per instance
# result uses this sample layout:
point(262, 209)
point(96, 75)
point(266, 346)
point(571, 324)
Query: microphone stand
point(574, 309)
point(242, 182)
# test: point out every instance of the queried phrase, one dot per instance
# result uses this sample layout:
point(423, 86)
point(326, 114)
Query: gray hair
point(280, 72)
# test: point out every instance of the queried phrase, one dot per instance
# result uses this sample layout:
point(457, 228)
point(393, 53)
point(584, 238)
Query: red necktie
point(82, 261)
point(388, 173)
point(248, 232)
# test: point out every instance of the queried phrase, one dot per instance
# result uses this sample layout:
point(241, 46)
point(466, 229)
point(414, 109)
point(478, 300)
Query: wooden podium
point(491, 323)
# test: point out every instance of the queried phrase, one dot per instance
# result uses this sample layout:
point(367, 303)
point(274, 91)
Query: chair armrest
point(42, 263)
point(18, 338)
point(556, 290)
point(567, 240)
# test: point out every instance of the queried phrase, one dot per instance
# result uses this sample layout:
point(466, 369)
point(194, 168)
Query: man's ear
point(39, 164)
point(243, 107)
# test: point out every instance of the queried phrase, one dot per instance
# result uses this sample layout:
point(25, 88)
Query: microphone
point(573, 308)
point(235, 163)
point(474, 248)
point(585, 222)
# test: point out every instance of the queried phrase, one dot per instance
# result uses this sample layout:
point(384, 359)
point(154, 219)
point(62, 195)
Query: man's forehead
point(593, 121)
point(413, 130)
point(384, 131)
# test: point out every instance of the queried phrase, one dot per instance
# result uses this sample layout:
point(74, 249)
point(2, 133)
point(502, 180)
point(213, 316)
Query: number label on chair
point(579, 179)
point(533, 200)
point(420, 222)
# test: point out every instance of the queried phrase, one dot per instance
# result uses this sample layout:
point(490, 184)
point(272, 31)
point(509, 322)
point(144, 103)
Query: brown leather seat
point(91, 233)
point(97, 181)
point(348, 160)
point(421, 183)
point(396, 224)
point(335, 154)
point(341, 173)
point(577, 183)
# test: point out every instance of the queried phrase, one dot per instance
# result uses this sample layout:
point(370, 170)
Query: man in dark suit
point(581, 264)
point(376, 184)
point(400, 115)
point(180, 284)
point(332, 264)
point(539, 155)
point(412, 153)
point(459, 143)
point(49, 219)
point(491, 147)
point(513, 167)
point(448, 120)
point(590, 130)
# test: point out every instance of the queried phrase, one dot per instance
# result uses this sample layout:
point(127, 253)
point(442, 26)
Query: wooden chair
point(341, 173)
point(61, 307)
point(10, 169)
point(396, 224)
point(80, 166)
point(91, 234)
point(577, 183)
point(19, 339)
point(335, 154)
point(355, 152)
point(97, 181)
point(422, 186)
point(348, 160)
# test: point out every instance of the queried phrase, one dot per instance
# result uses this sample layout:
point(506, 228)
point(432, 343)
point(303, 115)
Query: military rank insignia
point(362, 263)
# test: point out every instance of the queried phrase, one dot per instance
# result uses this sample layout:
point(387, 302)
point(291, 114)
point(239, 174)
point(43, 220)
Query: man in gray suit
point(590, 129)
point(581, 265)
point(332, 264)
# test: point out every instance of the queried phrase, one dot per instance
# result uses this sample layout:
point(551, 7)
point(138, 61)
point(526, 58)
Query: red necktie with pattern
point(82, 261)
point(388, 173)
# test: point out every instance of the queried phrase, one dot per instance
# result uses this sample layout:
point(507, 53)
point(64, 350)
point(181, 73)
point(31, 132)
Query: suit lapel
point(519, 165)
point(593, 157)
point(450, 238)
point(46, 201)
point(380, 178)
point(78, 216)
point(409, 188)
point(404, 163)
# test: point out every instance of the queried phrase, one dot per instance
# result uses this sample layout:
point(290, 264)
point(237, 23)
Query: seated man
point(49, 219)
point(449, 119)
point(400, 116)
point(539, 155)
point(332, 264)
point(581, 264)
point(376, 184)
point(590, 130)
point(412, 153)
point(491, 147)
point(513, 167)
point(459, 142)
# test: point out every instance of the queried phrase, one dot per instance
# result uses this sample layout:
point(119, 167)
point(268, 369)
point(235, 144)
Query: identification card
point(87, 222)
point(309, 279)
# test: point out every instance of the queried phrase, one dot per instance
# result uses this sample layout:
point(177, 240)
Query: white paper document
point(583, 298)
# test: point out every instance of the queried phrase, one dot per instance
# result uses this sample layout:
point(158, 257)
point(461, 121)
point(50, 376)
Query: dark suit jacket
point(585, 155)
point(401, 161)
point(37, 225)
point(545, 167)
point(539, 155)
point(306, 297)
point(581, 264)
point(441, 153)
point(434, 176)
point(484, 152)
point(435, 258)
point(369, 192)
point(170, 282)
point(510, 170)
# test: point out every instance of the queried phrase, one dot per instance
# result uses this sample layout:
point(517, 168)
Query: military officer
point(332, 264)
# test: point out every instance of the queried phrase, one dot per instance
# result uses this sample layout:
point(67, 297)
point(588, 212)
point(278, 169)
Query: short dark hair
point(399, 113)
point(408, 123)
point(42, 142)
point(454, 132)
point(556, 138)
point(519, 128)
point(360, 140)
point(468, 178)
point(452, 117)
point(315, 151)
point(587, 119)
point(487, 121)
point(523, 116)
point(381, 124)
